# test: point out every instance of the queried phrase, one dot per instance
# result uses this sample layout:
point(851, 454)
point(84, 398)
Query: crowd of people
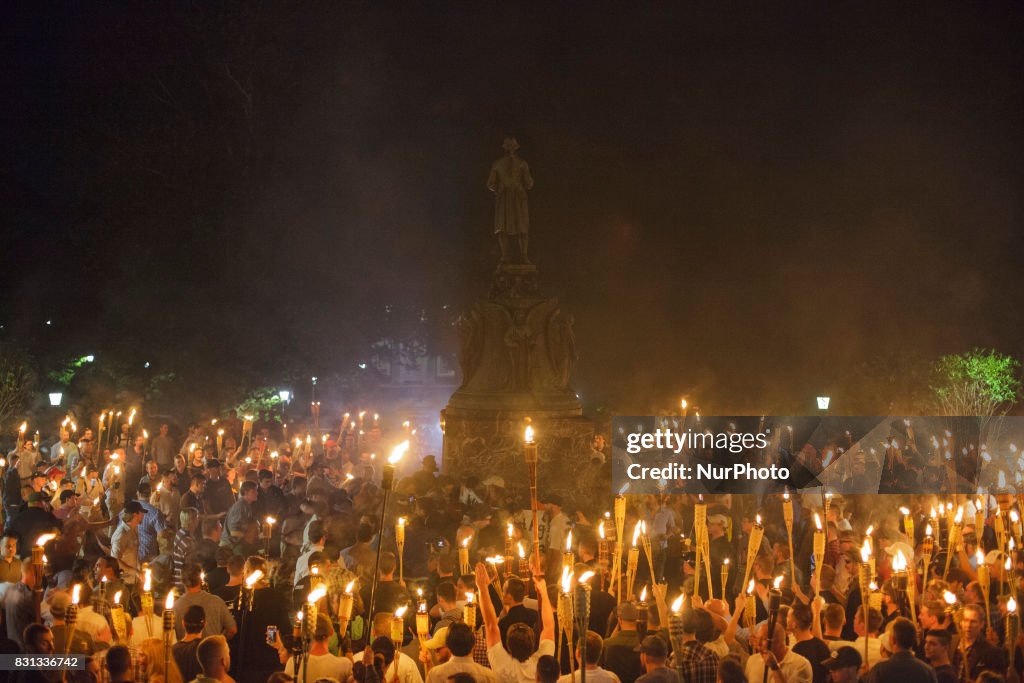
point(269, 560)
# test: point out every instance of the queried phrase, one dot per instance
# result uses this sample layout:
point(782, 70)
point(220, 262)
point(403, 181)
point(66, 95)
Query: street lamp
point(284, 395)
point(823, 402)
point(55, 398)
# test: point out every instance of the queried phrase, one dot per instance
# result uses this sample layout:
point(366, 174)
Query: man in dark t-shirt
point(185, 651)
point(814, 650)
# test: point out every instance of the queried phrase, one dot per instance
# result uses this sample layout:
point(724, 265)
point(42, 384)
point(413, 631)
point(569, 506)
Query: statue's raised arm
point(510, 180)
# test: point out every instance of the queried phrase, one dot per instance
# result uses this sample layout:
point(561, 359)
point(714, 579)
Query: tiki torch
point(400, 544)
point(509, 551)
point(753, 546)
point(954, 539)
point(464, 555)
point(72, 616)
point(787, 517)
point(387, 483)
point(530, 453)
point(345, 604)
point(37, 565)
point(268, 530)
point(632, 559)
point(819, 554)
point(984, 581)
point(568, 558)
point(864, 581)
point(602, 554)
point(118, 619)
point(398, 627)
point(581, 612)
point(927, 548)
point(1012, 627)
point(168, 628)
point(469, 612)
point(620, 528)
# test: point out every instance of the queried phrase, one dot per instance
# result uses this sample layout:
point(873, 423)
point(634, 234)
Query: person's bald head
point(778, 642)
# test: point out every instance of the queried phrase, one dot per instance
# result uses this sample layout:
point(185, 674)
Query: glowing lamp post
point(55, 398)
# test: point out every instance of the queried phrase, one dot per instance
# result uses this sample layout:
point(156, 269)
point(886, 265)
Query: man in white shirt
point(459, 641)
point(407, 671)
point(874, 643)
point(784, 665)
point(321, 663)
point(558, 522)
point(518, 664)
point(316, 537)
point(595, 674)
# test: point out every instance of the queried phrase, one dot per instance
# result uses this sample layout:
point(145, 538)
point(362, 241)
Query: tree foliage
point(17, 382)
point(979, 382)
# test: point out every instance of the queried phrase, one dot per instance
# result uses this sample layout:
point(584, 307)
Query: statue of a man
point(509, 180)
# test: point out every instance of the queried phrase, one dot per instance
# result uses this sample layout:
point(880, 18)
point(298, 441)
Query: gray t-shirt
point(218, 617)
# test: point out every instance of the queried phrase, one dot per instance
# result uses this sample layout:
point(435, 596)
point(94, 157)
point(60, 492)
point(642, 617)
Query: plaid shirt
point(480, 648)
point(695, 663)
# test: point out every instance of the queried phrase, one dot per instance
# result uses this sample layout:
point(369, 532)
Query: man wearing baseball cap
point(843, 666)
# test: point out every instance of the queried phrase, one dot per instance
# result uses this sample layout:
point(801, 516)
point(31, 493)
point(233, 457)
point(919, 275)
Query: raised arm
point(483, 582)
point(547, 615)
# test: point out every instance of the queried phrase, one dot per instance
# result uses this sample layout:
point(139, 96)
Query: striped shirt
point(183, 553)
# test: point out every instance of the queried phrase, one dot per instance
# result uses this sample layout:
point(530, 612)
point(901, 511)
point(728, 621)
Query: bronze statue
point(509, 181)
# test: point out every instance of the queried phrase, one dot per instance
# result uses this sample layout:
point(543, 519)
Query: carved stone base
point(492, 444)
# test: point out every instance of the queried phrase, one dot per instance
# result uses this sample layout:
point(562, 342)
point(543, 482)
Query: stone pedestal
point(517, 350)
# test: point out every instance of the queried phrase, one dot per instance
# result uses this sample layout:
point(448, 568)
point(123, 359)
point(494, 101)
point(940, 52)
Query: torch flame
point(469, 598)
point(904, 511)
point(76, 593)
point(643, 593)
point(509, 528)
point(865, 551)
point(750, 587)
point(677, 604)
point(566, 579)
point(251, 580)
point(117, 598)
point(899, 563)
point(568, 541)
point(585, 576)
point(757, 520)
point(817, 521)
point(522, 553)
point(350, 586)
point(979, 556)
point(271, 521)
point(1011, 605)
point(950, 598)
point(636, 533)
point(398, 452)
point(169, 602)
point(316, 594)
point(959, 515)
point(400, 612)
point(147, 581)
point(44, 539)
point(928, 530)
point(600, 529)
point(777, 583)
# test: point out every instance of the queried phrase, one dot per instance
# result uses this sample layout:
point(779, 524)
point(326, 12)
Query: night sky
point(740, 201)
